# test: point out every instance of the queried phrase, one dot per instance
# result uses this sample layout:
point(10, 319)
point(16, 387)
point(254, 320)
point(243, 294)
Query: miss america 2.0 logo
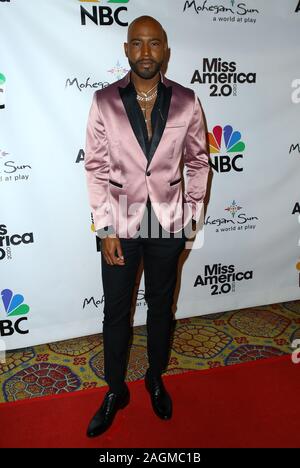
point(222, 278)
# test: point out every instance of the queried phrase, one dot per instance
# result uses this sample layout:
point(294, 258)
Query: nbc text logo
point(14, 306)
point(233, 144)
point(103, 15)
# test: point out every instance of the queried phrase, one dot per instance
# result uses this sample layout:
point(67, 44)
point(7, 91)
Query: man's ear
point(126, 49)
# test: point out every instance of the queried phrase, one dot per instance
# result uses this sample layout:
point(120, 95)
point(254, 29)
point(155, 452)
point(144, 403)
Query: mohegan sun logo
point(10, 171)
point(118, 71)
point(234, 208)
point(13, 303)
point(233, 144)
point(229, 13)
point(3, 153)
point(238, 221)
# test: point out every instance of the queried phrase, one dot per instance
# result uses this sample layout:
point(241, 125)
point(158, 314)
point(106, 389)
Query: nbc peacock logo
point(14, 307)
point(13, 303)
point(233, 146)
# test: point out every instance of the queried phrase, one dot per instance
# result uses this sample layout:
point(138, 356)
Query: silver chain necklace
point(145, 98)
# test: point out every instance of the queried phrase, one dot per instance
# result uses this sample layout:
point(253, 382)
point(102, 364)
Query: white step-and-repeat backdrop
point(242, 60)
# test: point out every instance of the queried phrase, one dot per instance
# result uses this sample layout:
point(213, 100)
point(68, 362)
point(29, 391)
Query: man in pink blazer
point(140, 130)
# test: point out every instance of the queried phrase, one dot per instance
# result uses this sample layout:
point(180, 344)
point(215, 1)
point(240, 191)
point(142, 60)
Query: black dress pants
point(160, 257)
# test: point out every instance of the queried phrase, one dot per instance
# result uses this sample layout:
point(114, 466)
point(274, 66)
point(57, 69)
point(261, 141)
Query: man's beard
point(146, 74)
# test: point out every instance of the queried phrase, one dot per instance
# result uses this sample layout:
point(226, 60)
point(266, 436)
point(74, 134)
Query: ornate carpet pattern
point(203, 342)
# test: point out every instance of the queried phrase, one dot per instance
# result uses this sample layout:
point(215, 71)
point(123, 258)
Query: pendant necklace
point(145, 98)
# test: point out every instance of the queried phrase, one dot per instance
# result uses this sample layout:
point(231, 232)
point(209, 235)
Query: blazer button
point(148, 173)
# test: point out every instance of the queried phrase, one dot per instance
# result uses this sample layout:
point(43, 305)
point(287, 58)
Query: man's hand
point(110, 245)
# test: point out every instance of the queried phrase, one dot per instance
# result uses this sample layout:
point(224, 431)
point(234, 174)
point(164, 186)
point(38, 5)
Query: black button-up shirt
point(139, 114)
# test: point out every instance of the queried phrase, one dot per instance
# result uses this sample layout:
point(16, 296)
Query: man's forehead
point(145, 28)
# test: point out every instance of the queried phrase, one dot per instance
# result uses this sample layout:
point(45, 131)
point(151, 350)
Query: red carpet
point(255, 404)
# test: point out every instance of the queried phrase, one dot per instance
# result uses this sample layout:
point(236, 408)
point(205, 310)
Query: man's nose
point(145, 50)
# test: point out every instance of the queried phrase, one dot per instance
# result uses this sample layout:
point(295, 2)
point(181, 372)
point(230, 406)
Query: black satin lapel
point(135, 122)
point(162, 116)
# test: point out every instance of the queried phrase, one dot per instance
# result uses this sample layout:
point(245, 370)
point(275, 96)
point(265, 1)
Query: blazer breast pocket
point(175, 124)
point(175, 182)
point(116, 184)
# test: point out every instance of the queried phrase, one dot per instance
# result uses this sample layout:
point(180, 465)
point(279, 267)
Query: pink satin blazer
point(119, 177)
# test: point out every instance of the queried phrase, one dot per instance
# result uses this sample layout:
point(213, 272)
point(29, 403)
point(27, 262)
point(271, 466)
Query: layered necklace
point(145, 98)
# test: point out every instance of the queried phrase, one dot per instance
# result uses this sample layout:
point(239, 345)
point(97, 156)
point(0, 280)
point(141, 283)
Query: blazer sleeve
point(96, 164)
point(104, 232)
point(196, 160)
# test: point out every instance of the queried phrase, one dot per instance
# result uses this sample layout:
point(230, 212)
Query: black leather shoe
point(104, 417)
point(160, 399)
